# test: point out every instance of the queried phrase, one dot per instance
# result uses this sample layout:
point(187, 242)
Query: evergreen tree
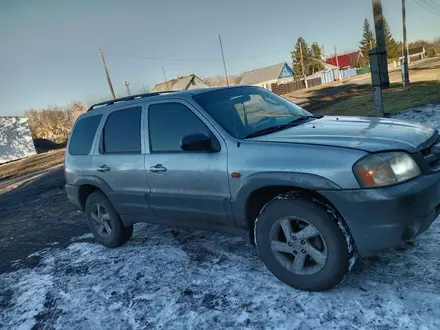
point(316, 62)
point(368, 41)
point(296, 57)
point(392, 46)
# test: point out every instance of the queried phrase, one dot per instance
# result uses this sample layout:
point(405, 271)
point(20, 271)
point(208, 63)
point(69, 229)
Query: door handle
point(103, 168)
point(158, 168)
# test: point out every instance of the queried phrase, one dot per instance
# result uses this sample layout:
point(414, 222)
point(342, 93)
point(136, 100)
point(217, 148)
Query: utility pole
point(337, 64)
point(165, 77)
point(128, 88)
point(107, 74)
point(302, 64)
point(381, 43)
point(405, 73)
point(223, 57)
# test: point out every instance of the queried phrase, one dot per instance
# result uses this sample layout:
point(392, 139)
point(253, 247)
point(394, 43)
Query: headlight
point(385, 169)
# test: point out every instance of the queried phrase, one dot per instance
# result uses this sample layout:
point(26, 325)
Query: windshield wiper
point(276, 128)
point(302, 119)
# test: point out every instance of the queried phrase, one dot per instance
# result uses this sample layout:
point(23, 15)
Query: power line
point(431, 5)
point(425, 6)
point(258, 56)
point(161, 58)
point(434, 4)
point(193, 60)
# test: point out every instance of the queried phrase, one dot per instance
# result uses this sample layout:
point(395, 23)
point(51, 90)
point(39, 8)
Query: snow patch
point(196, 279)
point(82, 237)
point(15, 139)
point(429, 115)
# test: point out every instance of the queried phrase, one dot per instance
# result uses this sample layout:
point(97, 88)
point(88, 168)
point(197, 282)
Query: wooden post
point(405, 76)
point(107, 74)
point(381, 43)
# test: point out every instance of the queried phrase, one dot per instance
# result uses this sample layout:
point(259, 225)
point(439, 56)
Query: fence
point(328, 76)
point(364, 70)
point(348, 73)
point(292, 86)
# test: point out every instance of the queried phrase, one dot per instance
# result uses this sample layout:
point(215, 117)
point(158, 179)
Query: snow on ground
point(429, 114)
point(166, 278)
point(183, 279)
point(15, 139)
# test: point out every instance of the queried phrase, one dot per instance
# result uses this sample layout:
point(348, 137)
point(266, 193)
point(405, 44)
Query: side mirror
point(197, 142)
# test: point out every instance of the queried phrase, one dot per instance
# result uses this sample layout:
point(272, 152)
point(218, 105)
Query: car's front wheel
point(302, 244)
point(104, 222)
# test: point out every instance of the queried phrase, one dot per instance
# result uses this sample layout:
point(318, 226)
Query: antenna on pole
point(107, 74)
point(126, 83)
point(223, 57)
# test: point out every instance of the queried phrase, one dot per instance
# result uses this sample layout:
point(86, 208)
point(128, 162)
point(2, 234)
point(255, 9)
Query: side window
point(83, 134)
point(122, 132)
point(169, 122)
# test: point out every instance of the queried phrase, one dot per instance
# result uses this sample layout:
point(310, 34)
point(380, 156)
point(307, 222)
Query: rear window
point(122, 132)
point(82, 136)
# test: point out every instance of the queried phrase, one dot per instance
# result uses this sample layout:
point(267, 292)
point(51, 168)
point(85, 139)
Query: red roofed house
point(347, 60)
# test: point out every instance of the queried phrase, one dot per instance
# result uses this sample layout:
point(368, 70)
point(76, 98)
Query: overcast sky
point(49, 48)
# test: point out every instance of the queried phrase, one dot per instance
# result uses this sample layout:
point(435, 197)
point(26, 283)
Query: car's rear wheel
point(104, 222)
point(302, 244)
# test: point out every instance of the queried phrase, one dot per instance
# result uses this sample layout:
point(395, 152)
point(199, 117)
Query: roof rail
point(127, 98)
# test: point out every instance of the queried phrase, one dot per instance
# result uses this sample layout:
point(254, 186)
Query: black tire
point(118, 234)
point(333, 242)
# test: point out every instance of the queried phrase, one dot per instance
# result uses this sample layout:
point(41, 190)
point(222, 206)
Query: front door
point(120, 161)
point(191, 186)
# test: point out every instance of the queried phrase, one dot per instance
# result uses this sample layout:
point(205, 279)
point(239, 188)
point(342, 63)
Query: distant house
point(180, 84)
point(278, 73)
point(15, 139)
point(330, 73)
point(415, 54)
point(347, 60)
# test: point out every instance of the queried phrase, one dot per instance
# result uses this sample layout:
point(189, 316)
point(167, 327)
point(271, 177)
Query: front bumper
point(383, 218)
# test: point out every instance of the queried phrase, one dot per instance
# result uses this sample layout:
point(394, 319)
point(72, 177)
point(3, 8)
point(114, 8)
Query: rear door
point(185, 186)
point(120, 160)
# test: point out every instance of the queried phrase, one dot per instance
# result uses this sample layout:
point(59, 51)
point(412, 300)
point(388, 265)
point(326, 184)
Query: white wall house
point(279, 73)
point(180, 84)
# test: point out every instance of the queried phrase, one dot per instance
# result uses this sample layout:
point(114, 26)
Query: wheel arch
point(272, 184)
point(89, 184)
point(271, 192)
point(259, 189)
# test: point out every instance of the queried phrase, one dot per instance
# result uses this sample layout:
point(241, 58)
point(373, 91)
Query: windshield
point(242, 111)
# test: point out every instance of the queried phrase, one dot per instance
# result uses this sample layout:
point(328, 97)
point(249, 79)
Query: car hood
point(363, 133)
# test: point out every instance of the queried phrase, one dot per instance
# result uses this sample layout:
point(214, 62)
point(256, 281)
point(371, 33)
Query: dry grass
point(424, 89)
point(54, 123)
point(32, 165)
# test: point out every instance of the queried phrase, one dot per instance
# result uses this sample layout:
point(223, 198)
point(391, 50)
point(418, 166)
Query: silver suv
point(312, 192)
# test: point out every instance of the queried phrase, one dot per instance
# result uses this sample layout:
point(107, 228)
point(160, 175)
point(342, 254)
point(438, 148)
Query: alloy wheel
point(101, 220)
point(298, 245)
